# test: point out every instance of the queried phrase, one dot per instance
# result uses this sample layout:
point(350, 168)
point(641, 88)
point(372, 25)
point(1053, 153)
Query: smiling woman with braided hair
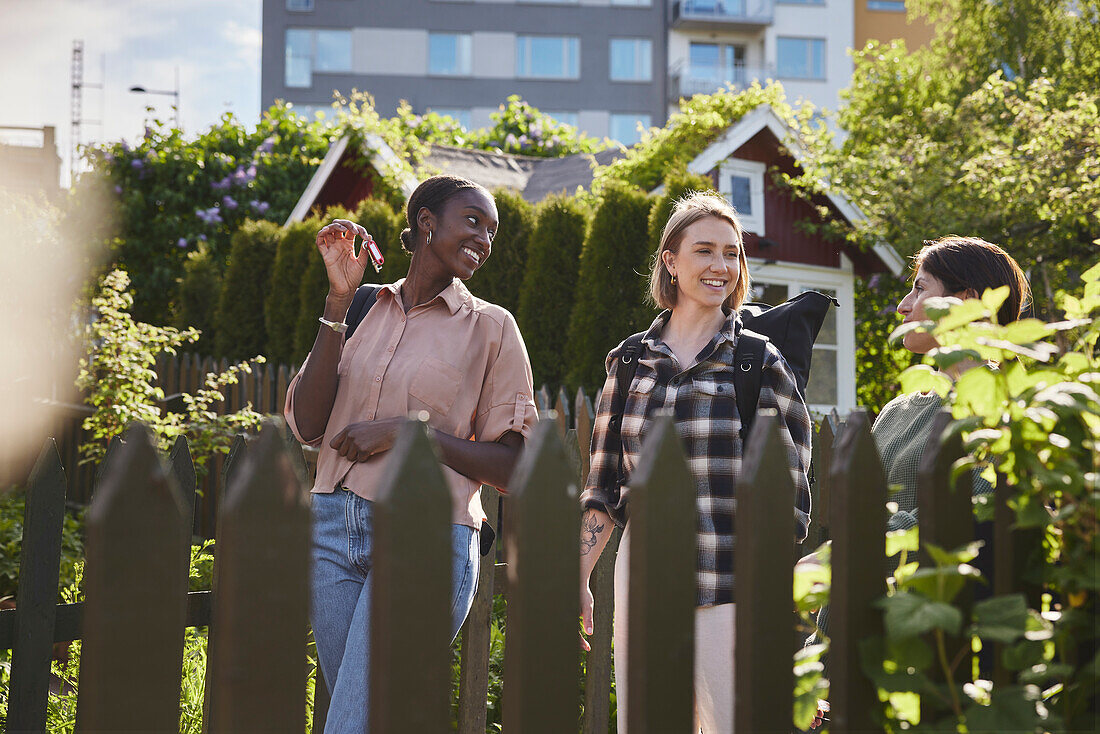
point(426, 346)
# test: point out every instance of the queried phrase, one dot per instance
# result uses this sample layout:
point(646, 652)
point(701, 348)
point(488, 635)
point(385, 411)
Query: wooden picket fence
point(136, 585)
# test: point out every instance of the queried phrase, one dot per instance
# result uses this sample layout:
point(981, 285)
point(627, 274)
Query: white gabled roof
point(381, 157)
point(764, 117)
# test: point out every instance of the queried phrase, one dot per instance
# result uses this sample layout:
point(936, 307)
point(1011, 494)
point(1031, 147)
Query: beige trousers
point(714, 648)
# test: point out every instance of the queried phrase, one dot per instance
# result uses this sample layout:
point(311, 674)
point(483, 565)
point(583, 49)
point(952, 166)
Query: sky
point(214, 43)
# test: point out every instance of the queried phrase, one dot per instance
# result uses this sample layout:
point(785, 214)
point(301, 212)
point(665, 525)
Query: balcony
point(722, 15)
point(686, 80)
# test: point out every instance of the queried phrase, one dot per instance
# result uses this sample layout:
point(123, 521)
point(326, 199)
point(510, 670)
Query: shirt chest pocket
point(719, 394)
point(436, 385)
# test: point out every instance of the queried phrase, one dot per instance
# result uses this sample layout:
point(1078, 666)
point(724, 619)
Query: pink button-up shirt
point(458, 358)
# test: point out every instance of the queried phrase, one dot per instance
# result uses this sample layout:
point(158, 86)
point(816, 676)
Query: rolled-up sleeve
point(288, 412)
point(778, 390)
point(507, 400)
point(601, 489)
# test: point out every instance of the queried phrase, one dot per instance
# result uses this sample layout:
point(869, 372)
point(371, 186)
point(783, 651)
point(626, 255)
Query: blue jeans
point(340, 608)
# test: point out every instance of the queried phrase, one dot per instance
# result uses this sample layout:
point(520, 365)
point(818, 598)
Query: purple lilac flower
point(229, 201)
point(888, 311)
point(148, 131)
point(511, 141)
point(535, 130)
point(202, 238)
point(240, 178)
point(221, 185)
point(108, 156)
point(125, 146)
point(209, 216)
point(137, 164)
point(251, 172)
point(118, 189)
point(267, 146)
point(181, 242)
point(873, 282)
point(259, 206)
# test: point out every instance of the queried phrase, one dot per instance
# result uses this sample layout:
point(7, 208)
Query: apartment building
point(606, 66)
point(597, 64)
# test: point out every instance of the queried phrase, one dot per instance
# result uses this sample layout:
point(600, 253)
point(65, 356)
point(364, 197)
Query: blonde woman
point(700, 278)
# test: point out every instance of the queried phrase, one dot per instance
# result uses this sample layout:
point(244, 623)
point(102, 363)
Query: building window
point(894, 6)
point(716, 64)
point(627, 128)
point(631, 60)
point(565, 118)
point(632, 3)
point(301, 6)
point(800, 58)
point(742, 182)
point(462, 117)
point(310, 50)
point(449, 54)
point(801, 2)
point(547, 57)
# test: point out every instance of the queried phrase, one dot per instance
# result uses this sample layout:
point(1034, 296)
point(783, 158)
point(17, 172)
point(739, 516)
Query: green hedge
point(499, 279)
point(384, 225)
point(197, 298)
point(612, 283)
point(313, 287)
point(550, 284)
point(295, 249)
point(239, 320)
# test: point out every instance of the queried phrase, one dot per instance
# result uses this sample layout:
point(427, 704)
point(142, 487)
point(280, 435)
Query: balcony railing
point(722, 14)
point(688, 80)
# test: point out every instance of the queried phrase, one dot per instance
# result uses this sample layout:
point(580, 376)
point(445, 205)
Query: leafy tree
point(314, 287)
point(678, 182)
point(499, 278)
point(549, 284)
point(118, 379)
point(611, 285)
point(240, 316)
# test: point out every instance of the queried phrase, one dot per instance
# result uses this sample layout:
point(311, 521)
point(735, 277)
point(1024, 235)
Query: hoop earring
point(428, 243)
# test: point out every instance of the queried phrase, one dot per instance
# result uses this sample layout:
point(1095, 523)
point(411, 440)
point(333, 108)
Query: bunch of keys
point(376, 258)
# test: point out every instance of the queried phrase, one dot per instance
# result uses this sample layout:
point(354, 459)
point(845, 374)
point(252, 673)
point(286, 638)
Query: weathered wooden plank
point(136, 589)
point(582, 410)
point(542, 398)
point(561, 406)
point(473, 681)
point(257, 668)
point(540, 659)
point(183, 469)
point(662, 590)
point(765, 644)
point(282, 382)
point(597, 685)
point(857, 523)
point(822, 462)
point(268, 402)
point(410, 600)
point(36, 601)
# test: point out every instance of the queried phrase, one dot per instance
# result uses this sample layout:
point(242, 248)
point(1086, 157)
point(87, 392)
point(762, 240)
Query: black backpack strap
point(748, 366)
point(629, 353)
point(365, 296)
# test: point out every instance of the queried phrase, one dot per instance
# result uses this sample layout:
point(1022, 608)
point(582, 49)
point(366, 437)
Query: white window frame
point(313, 69)
point(797, 278)
point(635, 117)
point(754, 171)
point(308, 6)
point(810, 41)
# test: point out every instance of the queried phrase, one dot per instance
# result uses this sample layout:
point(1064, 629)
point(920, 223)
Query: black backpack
point(791, 326)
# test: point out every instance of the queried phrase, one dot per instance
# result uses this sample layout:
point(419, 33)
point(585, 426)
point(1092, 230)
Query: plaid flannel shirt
point(702, 401)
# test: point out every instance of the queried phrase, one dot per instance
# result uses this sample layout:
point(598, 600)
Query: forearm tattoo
point(590, 531)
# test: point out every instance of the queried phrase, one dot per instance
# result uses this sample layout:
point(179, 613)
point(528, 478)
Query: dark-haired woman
point(427, 345)
point(952, 266)
point(700, 277)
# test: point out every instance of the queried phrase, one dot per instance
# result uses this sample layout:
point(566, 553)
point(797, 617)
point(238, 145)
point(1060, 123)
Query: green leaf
point(902, 540)
point(993, 298)
point(981, 391)
point(1011, 709)
point(910, 614)
point(1000, 618)
point(963, 554)
point(922, 378)
point(950, 313)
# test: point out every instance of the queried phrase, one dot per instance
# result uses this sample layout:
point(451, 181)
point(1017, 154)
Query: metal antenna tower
point(76, 104)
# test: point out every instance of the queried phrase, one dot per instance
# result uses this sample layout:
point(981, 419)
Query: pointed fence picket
point(137, 586)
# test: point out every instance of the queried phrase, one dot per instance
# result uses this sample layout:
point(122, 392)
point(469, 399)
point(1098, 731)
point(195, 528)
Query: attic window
point(742, 183)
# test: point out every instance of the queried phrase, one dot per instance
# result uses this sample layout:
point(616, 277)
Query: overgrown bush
point(314, 286)
point(550, 285)
point(118, 379)
point(12, 508)
point(611, 284)
point(296, 245)
point(500, 278)
point(240, 320)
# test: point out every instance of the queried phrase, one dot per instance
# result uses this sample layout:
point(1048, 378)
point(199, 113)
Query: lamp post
point(173, 93)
